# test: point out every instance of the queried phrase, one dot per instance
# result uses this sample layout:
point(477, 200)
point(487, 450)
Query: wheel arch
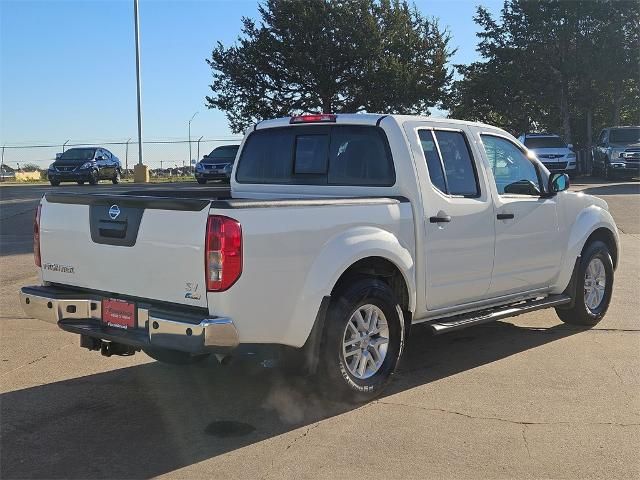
point(382, 269)
point(606, 236)
point(362, 250)
point(592, 223)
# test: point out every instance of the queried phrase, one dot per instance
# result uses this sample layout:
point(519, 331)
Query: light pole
point(192, 117)
point(198, 156)
point(126, 158)
point(2, 166)
point(141, 173)
point(64, 145)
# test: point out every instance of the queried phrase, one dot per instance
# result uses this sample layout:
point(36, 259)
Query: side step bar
point(458, 322)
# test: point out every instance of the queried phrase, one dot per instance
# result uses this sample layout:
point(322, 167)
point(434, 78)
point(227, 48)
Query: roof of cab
point(367, 119)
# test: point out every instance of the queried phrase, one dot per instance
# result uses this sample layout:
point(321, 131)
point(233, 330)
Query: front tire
point(594, 286)
point(93, 178)
point(174, 357)
point(201, 181)
point(608, 174)
point(362, 342)
point(54, 183)
point(116, 178)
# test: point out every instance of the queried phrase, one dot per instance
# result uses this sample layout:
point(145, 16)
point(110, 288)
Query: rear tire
point(80, 182)
point(594, 286)
point(174, 357)
point(353, 338)
point(54, 183)
point(201, 181)
point(93, 178)
point(116, 179)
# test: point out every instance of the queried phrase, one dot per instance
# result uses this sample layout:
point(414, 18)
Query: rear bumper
point(82, 314)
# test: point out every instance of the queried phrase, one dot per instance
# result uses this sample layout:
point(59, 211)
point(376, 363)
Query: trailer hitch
point(107, 348)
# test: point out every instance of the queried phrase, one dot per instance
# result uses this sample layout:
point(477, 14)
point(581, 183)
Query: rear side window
point(360, 156)
point(436, 174)
point(449, 162)
point(336, 155)
point(267, 158)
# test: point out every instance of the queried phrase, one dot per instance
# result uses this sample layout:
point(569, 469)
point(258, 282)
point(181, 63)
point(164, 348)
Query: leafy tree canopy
point(561, 66)
point(330, 56)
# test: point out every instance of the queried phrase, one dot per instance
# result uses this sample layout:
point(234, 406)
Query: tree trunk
point(564, 110)
point(589, 128)
point(587, 163)
point(326, 105)
point(617, 101)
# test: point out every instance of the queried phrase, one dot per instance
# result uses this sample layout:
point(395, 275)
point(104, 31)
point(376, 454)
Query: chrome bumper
point(80, 313)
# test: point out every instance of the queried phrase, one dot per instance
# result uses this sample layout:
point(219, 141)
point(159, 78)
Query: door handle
point(505, 216)
point(440, 219)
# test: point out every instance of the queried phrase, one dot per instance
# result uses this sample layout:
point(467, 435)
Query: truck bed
point(155, 250)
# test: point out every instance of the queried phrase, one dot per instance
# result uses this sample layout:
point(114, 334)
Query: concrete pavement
point(524, 398)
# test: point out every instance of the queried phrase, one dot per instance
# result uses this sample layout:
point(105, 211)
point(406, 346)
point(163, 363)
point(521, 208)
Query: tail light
point(36, 237)
point(223, 252)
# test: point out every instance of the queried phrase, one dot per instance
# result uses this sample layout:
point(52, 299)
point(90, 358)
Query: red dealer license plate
point(118, 313)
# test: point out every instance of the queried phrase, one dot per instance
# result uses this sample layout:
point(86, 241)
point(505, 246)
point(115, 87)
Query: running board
point(459, 322)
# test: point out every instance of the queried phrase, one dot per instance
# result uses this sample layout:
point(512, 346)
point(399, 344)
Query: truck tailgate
point(146, 247)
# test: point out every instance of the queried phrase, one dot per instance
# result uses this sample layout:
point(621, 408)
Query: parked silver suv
point(617, 152)
point(552, 151)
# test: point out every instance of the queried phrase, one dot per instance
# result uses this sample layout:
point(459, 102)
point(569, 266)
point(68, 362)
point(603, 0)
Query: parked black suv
point(617, 152)
point(217, 165)
point(84, 164)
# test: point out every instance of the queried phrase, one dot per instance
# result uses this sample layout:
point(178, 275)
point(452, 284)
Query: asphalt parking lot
point(524, 398)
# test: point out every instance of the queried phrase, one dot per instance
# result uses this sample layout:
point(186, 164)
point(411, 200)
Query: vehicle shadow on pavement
point(632, 188)
point(143, 421)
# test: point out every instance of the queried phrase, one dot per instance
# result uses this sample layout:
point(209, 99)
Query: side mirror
point(58, 155)
point(558, 182)
point(570, 146)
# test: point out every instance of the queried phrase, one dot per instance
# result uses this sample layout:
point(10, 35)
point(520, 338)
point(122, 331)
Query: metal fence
point(168, 157)
point(163, 157)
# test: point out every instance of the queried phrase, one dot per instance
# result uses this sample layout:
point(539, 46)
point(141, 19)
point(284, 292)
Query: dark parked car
point(617, 152)
point(85, 164)
point(217, 165)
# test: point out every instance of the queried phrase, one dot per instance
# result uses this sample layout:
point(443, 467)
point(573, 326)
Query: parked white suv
point(343, 232)
point(552, 151)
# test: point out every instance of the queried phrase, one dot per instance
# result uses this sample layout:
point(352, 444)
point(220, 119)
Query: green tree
point(562, 66)
point(330, 56)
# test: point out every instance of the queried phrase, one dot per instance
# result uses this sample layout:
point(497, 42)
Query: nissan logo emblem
point(114, 211)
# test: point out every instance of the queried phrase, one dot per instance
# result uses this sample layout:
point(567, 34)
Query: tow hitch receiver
point(107, 348)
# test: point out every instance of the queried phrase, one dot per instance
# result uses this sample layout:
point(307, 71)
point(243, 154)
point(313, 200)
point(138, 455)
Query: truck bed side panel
point(282, 284)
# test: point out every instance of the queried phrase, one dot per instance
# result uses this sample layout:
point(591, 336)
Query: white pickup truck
point(342, 232)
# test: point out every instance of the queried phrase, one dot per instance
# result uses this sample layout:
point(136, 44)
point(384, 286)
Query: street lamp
point(192, 117)
point(140, 171)
point(198, 156)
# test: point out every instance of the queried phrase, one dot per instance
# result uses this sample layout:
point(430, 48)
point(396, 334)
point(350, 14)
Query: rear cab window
point(317, 154)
